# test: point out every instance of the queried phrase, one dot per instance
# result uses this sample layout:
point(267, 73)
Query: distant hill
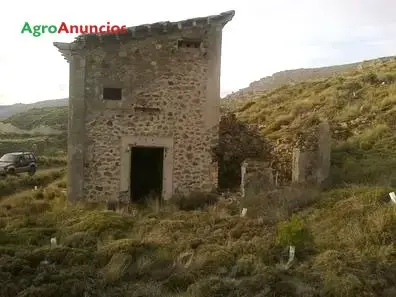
point(40, 129)
point(54, 117)
point(290, 77)
point(9, 110)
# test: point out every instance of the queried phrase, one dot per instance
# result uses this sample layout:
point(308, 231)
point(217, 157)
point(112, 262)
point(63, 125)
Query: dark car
point(19, 162)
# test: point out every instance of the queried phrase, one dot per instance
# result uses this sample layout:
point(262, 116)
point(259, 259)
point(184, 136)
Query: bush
point(194, 200)
point(278, 204)
point(216, 286)
point(44, 161)
point(370, 78)
point(12, 184)
point(293, 232)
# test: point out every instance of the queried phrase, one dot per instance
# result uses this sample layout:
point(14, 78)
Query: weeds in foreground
point(13, 184)
point(210, 251)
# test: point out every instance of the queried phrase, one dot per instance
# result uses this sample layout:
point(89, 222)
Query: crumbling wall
point(303, 166)
point(311, 159)
point(323, 157)
point(256, 177)
point(303, 138)
point(237, 141)
point(305, 158)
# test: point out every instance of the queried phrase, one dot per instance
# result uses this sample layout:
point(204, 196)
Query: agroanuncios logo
point(63, 28)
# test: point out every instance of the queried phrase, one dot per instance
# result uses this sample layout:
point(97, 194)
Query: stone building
point(144, 109)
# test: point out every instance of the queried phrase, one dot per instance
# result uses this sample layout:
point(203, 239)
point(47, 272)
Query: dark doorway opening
point(146, 172)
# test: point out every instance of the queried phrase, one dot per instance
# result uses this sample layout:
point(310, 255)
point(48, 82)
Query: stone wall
point(256, 176)
point(152, 77)
point(304, 139)
point(323, 158)
point(303, 148)
point(238, 141)
point(311, 162)
point(303, 166)
point(170, 98)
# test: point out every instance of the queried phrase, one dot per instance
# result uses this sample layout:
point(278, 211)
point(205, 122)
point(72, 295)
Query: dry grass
point(201, 247)
point(360, 107)
point(12, 184)
point(344, 240)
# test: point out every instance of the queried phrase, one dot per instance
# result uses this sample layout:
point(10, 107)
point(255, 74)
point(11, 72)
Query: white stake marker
point(393, 197)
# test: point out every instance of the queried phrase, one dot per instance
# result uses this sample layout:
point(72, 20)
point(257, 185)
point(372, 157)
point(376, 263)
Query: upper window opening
point(112, 93)
point(189, 43)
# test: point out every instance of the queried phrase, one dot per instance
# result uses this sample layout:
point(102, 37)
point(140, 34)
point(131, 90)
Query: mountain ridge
point(9, 110)
point(293, 76)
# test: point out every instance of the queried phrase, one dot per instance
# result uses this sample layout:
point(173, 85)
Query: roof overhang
point(145, 31)
point(65, 49)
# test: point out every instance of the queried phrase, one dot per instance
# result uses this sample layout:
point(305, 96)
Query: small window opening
point(112, 93)
point(189, 43)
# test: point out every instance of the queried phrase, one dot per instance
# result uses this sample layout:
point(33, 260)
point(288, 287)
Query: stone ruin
point(153, 94)
point(313, 166)
point(237, 141)
point(256, 176)
point(309, 164)
point(144, 110)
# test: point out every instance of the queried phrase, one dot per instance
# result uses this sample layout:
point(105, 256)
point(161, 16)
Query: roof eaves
point(163, 28)
point(144, 31)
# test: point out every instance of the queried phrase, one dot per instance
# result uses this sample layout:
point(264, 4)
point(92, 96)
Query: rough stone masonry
point(158, 85)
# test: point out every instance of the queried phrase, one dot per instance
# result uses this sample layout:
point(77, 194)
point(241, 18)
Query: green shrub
point(293, 232)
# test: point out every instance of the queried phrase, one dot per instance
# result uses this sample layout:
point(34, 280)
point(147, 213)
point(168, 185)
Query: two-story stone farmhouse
point(144, 110)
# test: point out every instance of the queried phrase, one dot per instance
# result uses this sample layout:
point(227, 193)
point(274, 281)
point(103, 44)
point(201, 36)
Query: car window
point(8, 158)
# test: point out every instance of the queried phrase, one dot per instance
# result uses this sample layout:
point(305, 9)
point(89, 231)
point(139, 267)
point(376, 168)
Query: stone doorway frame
point(128, 142)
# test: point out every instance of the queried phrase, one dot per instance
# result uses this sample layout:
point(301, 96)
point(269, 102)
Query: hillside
point(200, 246)
point(9, 110)
point(287, 77)
point(54, 117)
point(344, 246)
point(42, 130)
point(360, 106)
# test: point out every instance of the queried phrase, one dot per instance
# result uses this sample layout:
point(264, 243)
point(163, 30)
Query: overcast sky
point(264, 37)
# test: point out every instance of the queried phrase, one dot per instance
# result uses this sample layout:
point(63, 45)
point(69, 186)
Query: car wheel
point(32, 170)
point(11, 171)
